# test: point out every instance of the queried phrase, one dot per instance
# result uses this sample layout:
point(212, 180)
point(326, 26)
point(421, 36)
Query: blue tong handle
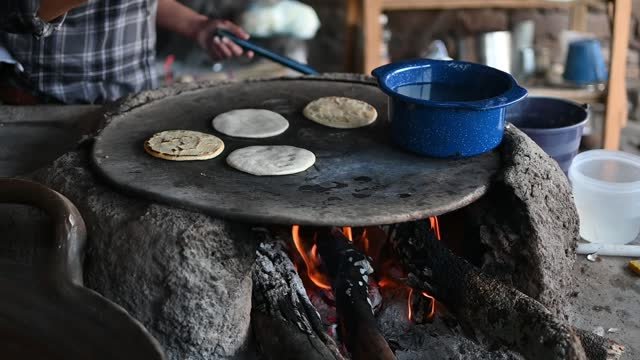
point(282, 60)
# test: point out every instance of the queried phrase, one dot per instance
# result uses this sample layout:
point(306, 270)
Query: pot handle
point(516, 93)
point(64, 262)
point(383, 71)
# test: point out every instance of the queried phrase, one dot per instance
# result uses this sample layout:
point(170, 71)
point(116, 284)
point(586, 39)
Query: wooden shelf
point(577, 95)
point(471, 4)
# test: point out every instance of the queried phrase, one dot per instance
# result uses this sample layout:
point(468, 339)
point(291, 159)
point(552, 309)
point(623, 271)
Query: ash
point(441, 339)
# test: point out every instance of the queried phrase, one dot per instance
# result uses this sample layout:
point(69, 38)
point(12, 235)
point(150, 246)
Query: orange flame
point(389, 281)
point(311, 259)
point(312, 262)
point(432, 307)
point(410, 304)
point(365, 241)
point(346, 230)
point(432, 311)
point(435, 226)
point(386, 282)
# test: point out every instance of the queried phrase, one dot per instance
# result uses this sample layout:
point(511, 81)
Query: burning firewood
point(502, 313)
point(285, 324)
point(348, 269)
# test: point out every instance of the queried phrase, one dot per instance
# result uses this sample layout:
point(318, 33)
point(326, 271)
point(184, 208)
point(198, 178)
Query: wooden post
point(616, 107)
point(353, 21)
point(372, 34)
point(579, 14)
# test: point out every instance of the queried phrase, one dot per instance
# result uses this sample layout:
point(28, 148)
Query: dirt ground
point(608, 296)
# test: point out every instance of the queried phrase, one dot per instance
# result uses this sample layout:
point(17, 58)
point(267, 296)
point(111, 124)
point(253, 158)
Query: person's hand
point(221, 48)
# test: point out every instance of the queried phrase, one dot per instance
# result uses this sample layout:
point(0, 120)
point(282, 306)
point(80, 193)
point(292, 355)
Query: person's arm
point(53, 9)
point(39, 17)
point(180, 19)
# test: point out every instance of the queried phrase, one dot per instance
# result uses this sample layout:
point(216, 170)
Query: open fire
point(372, 242)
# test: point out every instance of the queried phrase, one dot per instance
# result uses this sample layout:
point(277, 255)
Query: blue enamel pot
point(447, 109)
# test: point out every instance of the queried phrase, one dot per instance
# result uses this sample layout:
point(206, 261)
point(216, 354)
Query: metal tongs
point(280, 59)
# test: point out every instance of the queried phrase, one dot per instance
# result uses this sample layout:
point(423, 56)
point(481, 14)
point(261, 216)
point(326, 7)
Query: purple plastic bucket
point(556, 125)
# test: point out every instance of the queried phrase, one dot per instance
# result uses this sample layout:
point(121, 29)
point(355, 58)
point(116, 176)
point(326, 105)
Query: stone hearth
point(188, 276)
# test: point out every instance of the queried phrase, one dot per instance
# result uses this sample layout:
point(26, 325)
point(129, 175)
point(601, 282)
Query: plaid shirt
point(95, 53)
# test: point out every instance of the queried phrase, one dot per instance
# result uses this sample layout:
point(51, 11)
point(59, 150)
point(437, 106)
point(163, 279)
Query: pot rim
point(513, 94)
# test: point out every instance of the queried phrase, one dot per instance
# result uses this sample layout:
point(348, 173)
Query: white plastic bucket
point(606, 189)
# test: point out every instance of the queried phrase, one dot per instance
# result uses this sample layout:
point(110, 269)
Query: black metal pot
point(45, 312)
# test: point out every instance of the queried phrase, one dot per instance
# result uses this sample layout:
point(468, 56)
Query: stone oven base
point(187, 276)
point(528, 224)
point(184, 275)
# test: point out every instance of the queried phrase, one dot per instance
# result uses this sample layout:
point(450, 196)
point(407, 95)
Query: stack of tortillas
point(271, 160)
point(250, 123)
point(183, 145)
point(340, 112)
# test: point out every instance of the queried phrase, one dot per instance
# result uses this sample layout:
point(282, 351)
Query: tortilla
point(340, 112)
point(271, 160)
point(250, 123)
point(183, 145)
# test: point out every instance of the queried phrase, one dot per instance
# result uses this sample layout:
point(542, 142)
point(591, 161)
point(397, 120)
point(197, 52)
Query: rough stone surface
point(529, 224)
point(500, 312)
point(184, 275)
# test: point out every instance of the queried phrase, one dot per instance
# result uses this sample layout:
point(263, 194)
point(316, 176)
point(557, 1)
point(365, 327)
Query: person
point(96, 51)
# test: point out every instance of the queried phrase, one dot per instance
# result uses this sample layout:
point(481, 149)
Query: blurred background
point(530, 43)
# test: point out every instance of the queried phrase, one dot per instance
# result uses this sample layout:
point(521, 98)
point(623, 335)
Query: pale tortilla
point(340, 112)
point(271, 160)
point(250, 123)
point(183, 145)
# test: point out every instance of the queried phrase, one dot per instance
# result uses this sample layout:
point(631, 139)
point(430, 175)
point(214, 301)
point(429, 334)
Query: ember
point(373, 243)
point(432, 308)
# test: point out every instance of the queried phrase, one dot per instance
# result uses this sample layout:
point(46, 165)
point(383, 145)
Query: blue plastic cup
point(585, 64)
point(556, 125)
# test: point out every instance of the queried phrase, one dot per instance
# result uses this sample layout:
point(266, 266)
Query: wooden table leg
point(616, 107)
point(372, 33)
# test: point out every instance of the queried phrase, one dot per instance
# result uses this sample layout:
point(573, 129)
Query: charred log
point(502, 313)
point(348, 269)
point(285, 324)
point(599, 348)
